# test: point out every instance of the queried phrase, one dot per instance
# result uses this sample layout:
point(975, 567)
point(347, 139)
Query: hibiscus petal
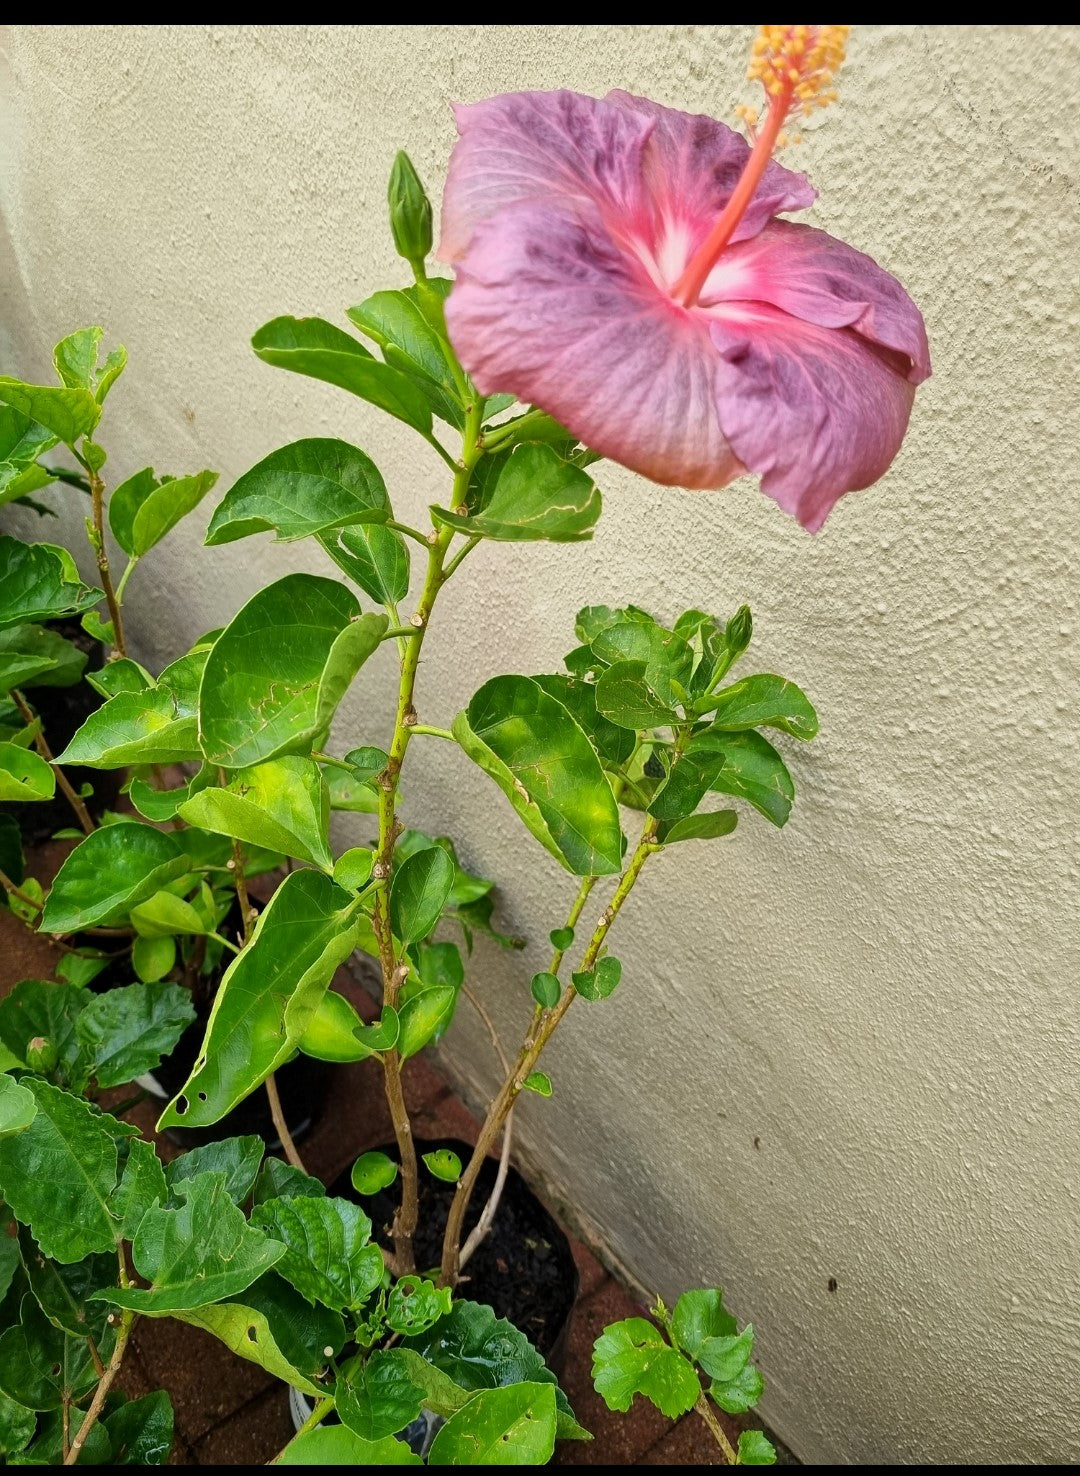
point(815, 277)
point(693, 163)
point(546, 306)
point(538, 146)
point(816, 410)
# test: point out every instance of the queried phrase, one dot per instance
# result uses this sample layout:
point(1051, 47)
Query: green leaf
point(45, 657)
point(111, 871)
point(546, 988)
point(712, 826)
point(408, 342)
point(308, 488)
point(762, 700)
point(331, 1032)
point(39, 581)
point(378, 1398)
point(268, 996)
point(698, 1316)
point(545, 765)
point(741, 764)
point(600, 982)
point(755, 1450)
point(278, 1180)
point(537, 1082)
point(68, 413)
point(328, 1256)
point(372, 1172)
point(737, 1395)
point(383, 1034)
point(125, 1032)
point(142, 1187)
point(162, 804)
point(316, 348)
point(440, 1394)
point(481, 1351)
point(237, 1158)
point(250, 1332)
point(18, 669)
point(120, 676)
point(24, 775)
point(41, 1366)
point(76, 361)
point(347, 793)
point(277, 672)
point(724, 1359)
point(352, 869)
point(283, 804)
point(145, 727)
point(424, 1016)
point(62, 1291)
point(201, 1252)
point(444, 1164)
point(613, 743)
point(144, 509)
point(415, 1305)
point(538, 495)
point(633, 1357)
point(374, 557)
point(57, 1175)
point(367, 763)
point(337, 1445)
point(141, 1431)
point(418, 893)
point(625, 697)
point(18, 1107)
point(17, 1426)
point(39, 1009)
point(164, 915)
point(511, 1426)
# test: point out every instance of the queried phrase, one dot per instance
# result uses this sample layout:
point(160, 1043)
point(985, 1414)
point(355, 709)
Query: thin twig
point(97, 493)
point(82, 814)
point(97, 1404)
point(13, 891)
point(282, 1127)
point(95, 1356)
point(65, 1432)
point(487, 1215)
point(731, 1455)
point(316, 1417)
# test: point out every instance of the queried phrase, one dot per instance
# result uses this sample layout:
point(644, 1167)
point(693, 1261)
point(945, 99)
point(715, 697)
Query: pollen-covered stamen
point(796, 65)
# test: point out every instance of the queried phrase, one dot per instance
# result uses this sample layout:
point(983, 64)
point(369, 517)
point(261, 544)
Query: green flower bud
point(739, 630)
point(41, 1055)
point(410, 212)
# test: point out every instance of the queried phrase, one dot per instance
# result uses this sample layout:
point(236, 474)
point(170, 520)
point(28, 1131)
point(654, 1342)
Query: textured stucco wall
point(848, 1050)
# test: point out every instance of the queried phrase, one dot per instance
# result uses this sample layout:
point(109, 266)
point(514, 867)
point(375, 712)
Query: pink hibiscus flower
point(619, 264)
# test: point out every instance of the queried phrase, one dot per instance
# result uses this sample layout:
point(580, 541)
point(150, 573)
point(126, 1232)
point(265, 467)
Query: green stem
point(124, 577)
point(221, 939)
point(414, 532)
point(82, 814)
point(401, 631)
point(528, 1056)
point(557, 957)
point(394, 971)
point(434, 442)
point(316, 1417)
point(96, 529)
point(460, 556)
point(494, 438)
point(731, 1455)
point(433, 732)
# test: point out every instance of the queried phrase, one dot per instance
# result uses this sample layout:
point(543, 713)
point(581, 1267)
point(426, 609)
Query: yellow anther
point(799, 62)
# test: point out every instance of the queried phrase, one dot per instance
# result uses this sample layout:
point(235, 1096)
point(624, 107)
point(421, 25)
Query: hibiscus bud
point(410, 212)
point(738, 631)
point(40, 1054)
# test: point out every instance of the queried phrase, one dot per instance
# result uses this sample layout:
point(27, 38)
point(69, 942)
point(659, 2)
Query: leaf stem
point(316, 1417)
point(96, 529)
point(495, 438)
point(281, 1126)
point(414, 532)
point(731, 1455)
point(460, 556)
point(535, 1041)
point(393, 973)
point(124, 577)
point(127, 1321)
point(82, 814)
point(434, 732)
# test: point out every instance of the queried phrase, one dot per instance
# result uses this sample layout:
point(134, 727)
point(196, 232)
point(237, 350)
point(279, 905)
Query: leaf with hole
point(415, 1305)
point(538, 496)
point(444, 1164)
point(203, 1251)
point(125, 1032)
point(268, 996)
point(112, 870)
point(372, 1172)
point(283, 804)
point(735, 1396)
point(309, 488)
point(329, 1256)
point(277, 672)
point(145, 508)
point(24, 775)
point(41, 1366)
point(58, 1174)
point(633, 1357)
point(511, 1426)
point(316, 348)
point(545, 765)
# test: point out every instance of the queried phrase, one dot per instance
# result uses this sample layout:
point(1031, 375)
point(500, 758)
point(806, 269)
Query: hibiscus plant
point(624, 288)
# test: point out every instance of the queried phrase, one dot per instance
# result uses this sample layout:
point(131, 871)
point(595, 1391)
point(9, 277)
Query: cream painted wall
point(848, 1050)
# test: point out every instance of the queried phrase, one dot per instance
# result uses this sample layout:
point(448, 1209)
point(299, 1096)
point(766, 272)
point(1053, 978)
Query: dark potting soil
point(524, 1269)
